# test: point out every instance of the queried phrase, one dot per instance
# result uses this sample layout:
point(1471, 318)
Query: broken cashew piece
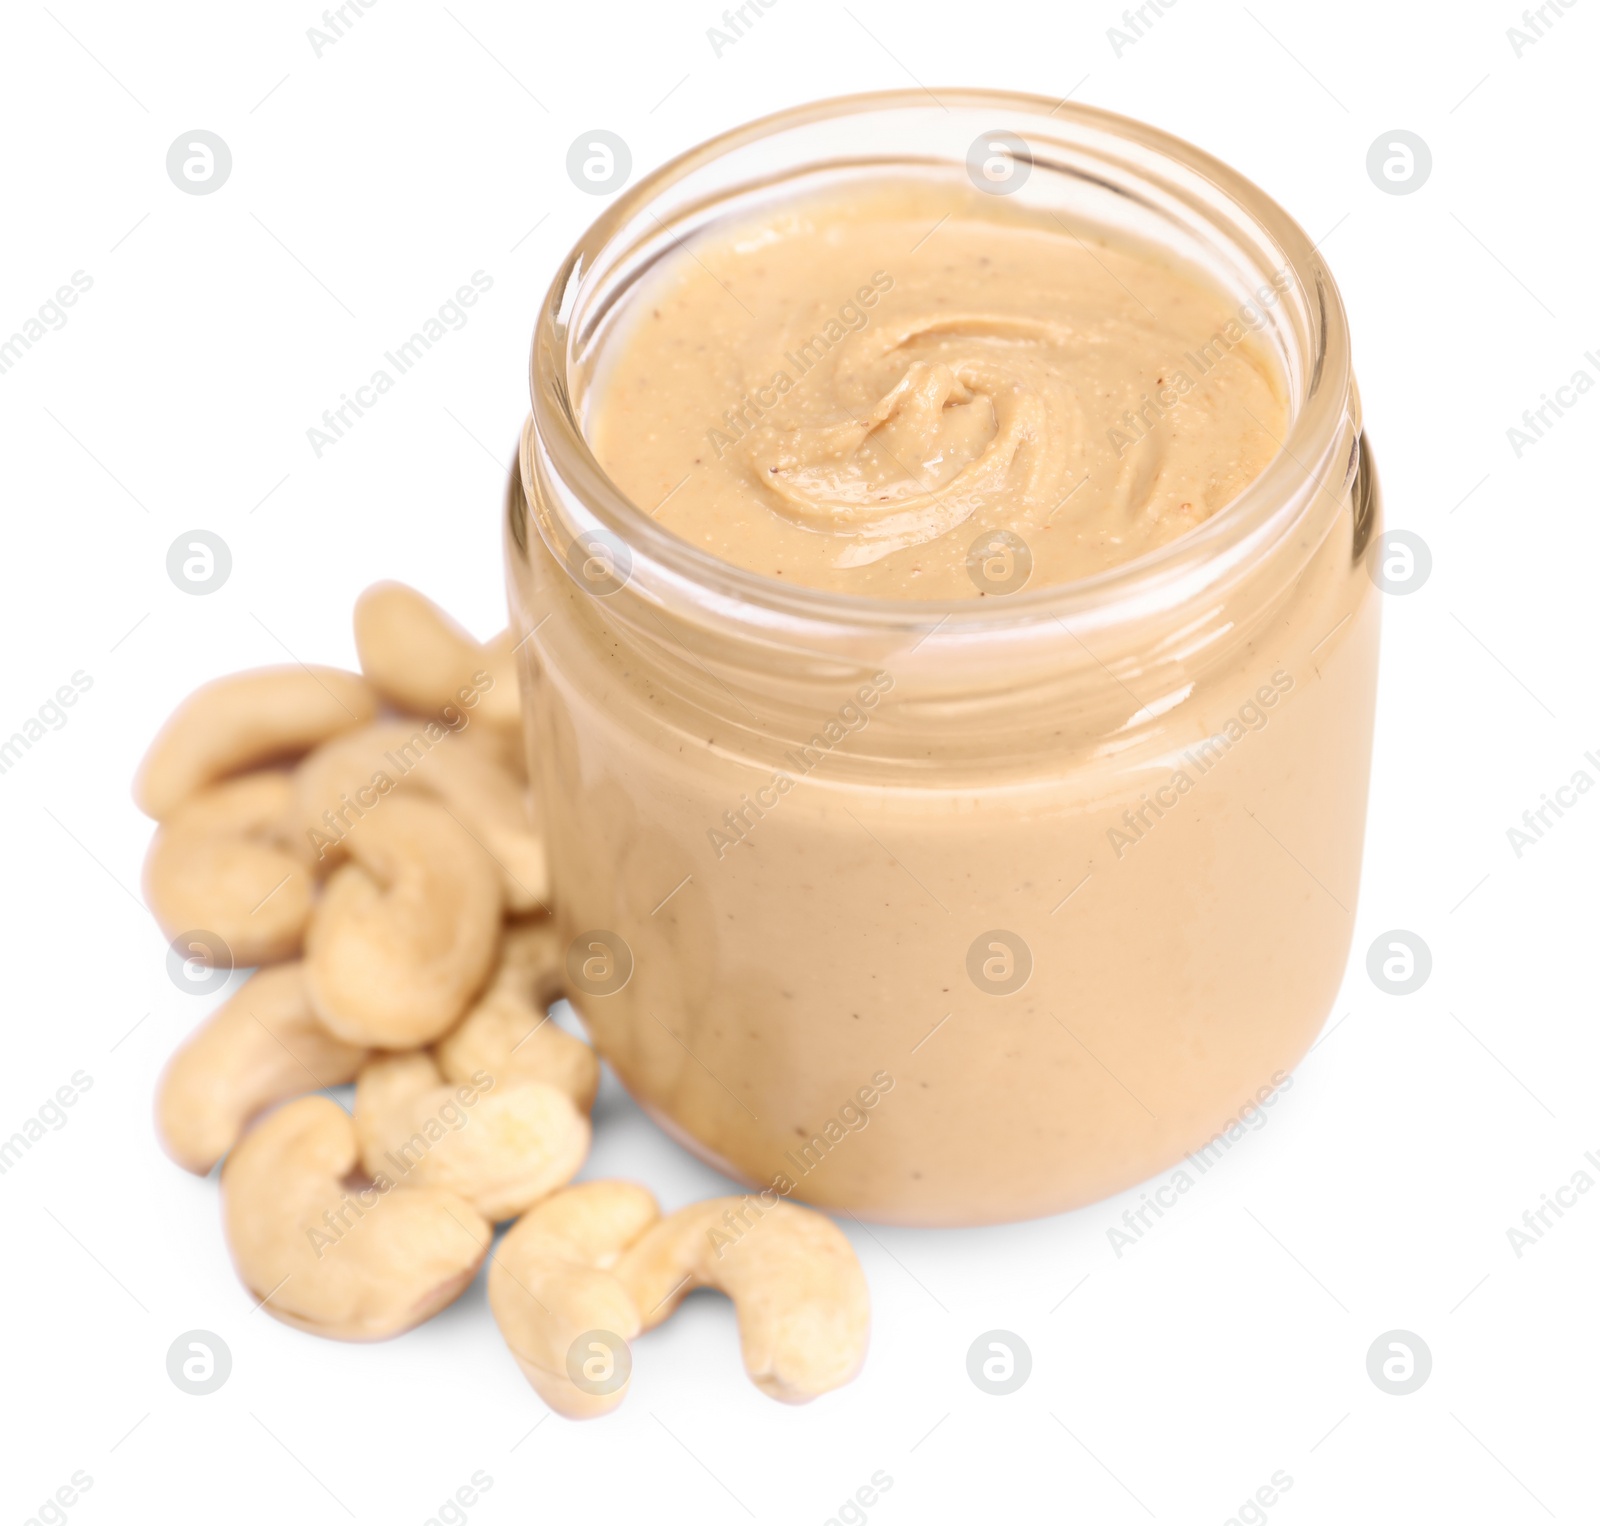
point(351, 1262)
point(245, 721)
point(791, 1273)
point(264, 1044)
point(550, 1284)
point(509, 1035)
point(220, 862)
point(336, 786)
point(404, 936)
point(420, 660)
point(502, 1148)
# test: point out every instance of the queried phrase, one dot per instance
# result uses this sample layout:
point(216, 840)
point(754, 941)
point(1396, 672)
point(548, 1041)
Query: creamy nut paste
point(853, 393)
point(926, 933)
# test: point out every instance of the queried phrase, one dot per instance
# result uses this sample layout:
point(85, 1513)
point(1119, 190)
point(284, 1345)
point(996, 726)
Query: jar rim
point(1309, 461)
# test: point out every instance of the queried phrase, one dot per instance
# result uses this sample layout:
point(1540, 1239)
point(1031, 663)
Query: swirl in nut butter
point(849, 393)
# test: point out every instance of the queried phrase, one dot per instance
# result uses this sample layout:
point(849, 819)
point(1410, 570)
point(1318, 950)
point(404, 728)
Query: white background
point(1171, 1383)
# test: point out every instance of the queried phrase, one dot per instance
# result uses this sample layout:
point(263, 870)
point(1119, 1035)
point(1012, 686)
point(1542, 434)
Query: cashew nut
point(791, 1273)
point(355, 1262)
point(550, 1283)
point(244, 721)
point(338, 784)
point(360, 1228)
point(598, 1259)
point(471, 780)
point(262, 1045)
point(502, 1148)
point(508, 1033)
point(403, 937)
point(219, 862)
point(421, 660)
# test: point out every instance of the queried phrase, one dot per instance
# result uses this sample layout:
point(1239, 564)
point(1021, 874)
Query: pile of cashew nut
point(366, 842)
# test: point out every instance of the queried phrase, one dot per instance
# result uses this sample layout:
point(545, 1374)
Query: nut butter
point(948, 659)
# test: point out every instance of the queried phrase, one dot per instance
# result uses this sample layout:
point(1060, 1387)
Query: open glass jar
point(953, 913)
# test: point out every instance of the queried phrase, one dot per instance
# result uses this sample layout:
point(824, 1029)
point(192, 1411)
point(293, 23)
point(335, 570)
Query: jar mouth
point(1111, 167)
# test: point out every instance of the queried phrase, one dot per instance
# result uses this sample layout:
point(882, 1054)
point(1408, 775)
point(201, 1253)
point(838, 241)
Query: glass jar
point(954, 913)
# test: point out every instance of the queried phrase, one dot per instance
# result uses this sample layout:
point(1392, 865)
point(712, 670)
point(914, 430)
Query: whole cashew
point(550, 1283)
point(403, 937)
point(598, 1259)
point(472, 781)
point(508, 1033)
point(502, 1148)
point(352, 1262)
point(344, 779)
point(262, 1045)
point(791, 1273)
point(244, 721)
point(421, 660)
point(219, 861)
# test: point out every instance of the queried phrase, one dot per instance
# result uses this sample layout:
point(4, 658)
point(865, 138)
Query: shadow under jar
point(968, 911)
